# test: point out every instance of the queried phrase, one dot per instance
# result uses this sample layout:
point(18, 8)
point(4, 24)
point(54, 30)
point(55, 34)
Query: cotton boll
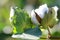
point(7, 30)
point(56, 9)
point(33, 18)
point(11, 14)
point(41, 10)
point(26, 36)
point(44, 8)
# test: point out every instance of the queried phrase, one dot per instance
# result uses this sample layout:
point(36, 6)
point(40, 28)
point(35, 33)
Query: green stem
point(49, 33)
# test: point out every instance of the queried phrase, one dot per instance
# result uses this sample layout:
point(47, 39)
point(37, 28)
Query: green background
point(5, 10)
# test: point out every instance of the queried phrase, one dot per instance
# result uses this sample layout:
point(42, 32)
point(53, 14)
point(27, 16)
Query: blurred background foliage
point(5, 10)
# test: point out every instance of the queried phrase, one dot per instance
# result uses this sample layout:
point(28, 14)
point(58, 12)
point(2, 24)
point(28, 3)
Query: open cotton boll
point(33, 18)
point(26, 36)
point(41, 10)
point(11, 14)
point(56, 9)
point(57, 26)
point(7, 30)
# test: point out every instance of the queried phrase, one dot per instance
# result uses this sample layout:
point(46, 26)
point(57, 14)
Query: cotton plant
point(20, 21)
point(20, 18)
point(41, 12)
point(40, 17)
point(53, 19)
point(45, 17)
